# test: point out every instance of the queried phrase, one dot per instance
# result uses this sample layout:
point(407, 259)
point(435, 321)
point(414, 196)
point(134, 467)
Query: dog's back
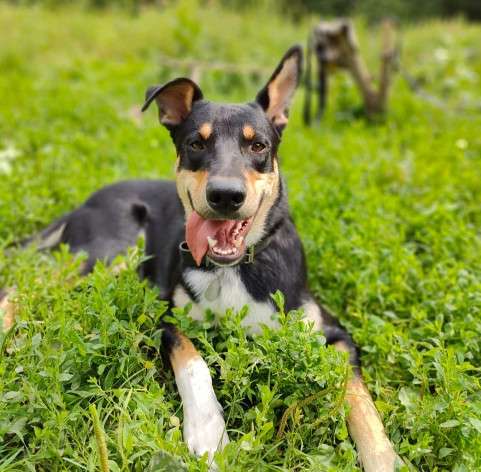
point(113, 218)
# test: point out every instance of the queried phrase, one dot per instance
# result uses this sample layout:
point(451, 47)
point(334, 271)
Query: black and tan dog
point(220, 237)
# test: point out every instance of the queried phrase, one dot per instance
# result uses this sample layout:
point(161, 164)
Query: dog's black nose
point(225, 194)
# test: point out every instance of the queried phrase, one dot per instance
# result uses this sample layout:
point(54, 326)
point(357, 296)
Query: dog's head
point(227, 170)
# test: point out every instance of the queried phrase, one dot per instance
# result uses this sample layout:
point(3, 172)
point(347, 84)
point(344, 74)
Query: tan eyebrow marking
point(248, 132)
point(205, 130)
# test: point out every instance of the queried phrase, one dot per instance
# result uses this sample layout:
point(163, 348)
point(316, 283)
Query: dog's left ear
point(275, 98)
point(173, 99)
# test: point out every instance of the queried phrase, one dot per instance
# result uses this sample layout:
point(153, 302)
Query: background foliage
point(406, 10)
point(390, 213)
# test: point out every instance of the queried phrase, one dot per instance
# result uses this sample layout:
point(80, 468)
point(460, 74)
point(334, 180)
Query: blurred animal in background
point(335, 46)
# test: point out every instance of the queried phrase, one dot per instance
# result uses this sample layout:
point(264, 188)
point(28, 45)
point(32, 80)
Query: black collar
point(207, 263)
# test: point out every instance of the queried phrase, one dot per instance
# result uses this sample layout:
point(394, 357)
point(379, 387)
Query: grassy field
point(390, 214)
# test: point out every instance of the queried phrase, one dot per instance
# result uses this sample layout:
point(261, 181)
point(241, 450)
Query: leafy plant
point(390, 214)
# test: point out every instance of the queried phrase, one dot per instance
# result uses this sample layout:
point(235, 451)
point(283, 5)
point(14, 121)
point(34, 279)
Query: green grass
point(390, 214)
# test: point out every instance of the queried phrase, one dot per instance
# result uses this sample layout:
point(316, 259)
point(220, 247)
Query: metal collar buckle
point(250, 255)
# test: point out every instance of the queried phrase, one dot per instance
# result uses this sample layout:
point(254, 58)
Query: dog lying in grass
point(221, 238)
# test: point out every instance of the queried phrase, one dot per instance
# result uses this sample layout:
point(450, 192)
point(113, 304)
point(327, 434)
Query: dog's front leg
point(375, 451)
point(204, 426)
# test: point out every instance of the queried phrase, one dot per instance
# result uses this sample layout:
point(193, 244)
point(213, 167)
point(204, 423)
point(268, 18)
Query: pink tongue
point(197, 229)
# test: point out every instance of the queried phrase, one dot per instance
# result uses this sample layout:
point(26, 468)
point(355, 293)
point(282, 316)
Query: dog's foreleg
point(374, 448)
point(8, 308)
point(204, 426)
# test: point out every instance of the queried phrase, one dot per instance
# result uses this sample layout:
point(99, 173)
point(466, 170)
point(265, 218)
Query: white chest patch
point(220, 290)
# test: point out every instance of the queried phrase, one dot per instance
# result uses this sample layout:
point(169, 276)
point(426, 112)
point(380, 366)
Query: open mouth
point(223, 241)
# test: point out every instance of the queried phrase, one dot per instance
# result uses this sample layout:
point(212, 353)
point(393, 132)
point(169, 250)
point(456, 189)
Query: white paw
point(204, 431)
point(204, 426)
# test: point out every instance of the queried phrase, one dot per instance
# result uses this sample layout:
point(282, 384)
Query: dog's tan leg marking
point(204, 426)
point(182, 353)
point(8, 308)
point(376, 452)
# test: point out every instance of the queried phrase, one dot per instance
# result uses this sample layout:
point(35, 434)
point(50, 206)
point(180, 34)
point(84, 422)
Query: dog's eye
point(197, 145)
point(257, 147)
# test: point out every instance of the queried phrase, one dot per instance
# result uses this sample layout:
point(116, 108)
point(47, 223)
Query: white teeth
point(238, 242)
point(224, 252)
point(212, 242)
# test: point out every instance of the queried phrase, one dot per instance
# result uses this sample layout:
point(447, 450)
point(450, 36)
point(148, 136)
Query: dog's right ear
point(173, 99)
